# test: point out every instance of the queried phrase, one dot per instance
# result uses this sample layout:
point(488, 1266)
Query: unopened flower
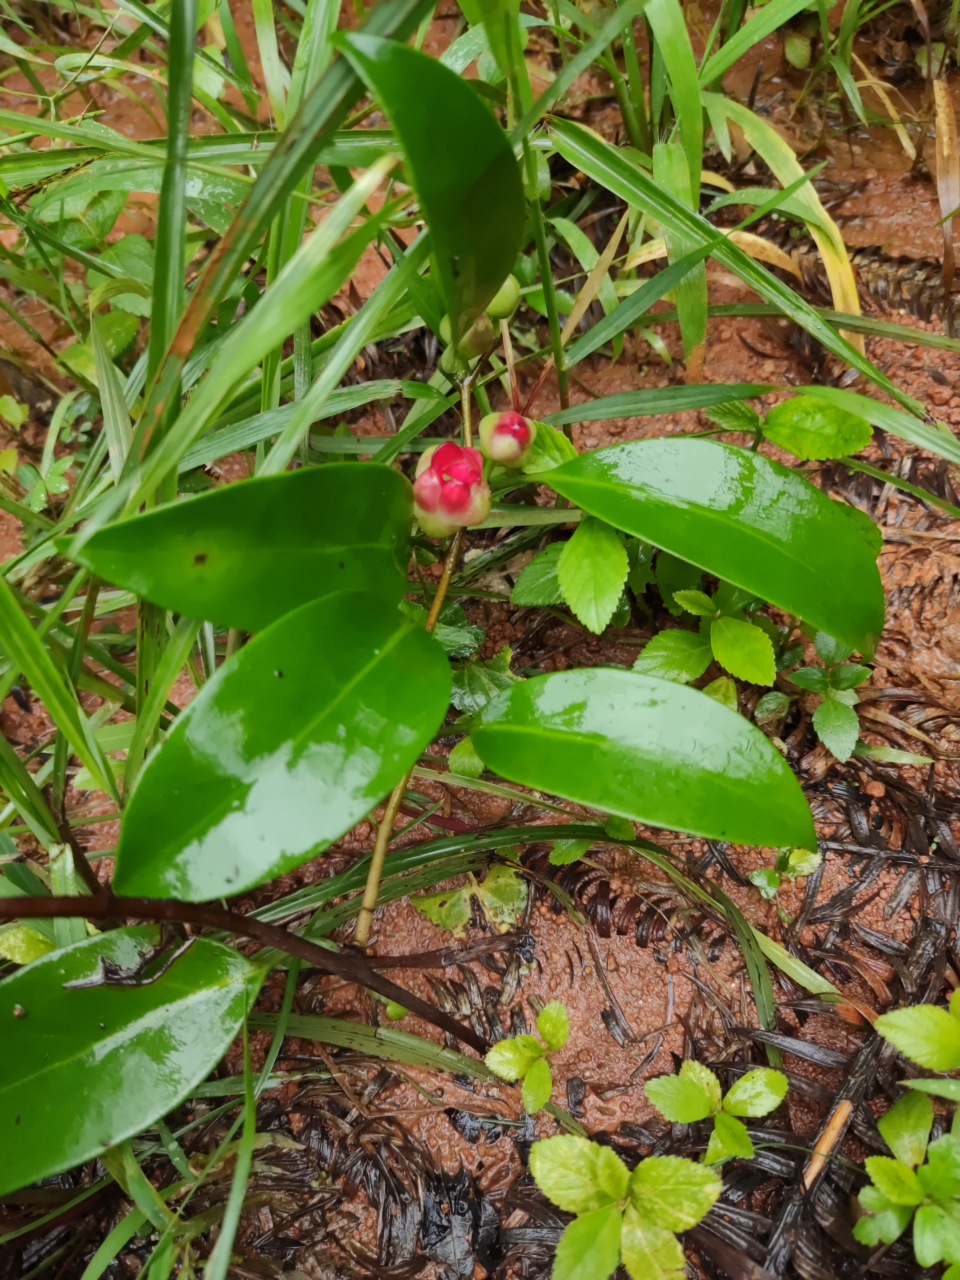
point(449, 491)
point(476, 341)
point(507, 438)
point(505, 301)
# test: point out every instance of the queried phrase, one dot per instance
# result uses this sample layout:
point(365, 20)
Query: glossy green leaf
point(837, 727)
point(475, 683)
point(512, 1059)
point(744, 650)
point(85, 1067)
point(734, 513)
point(650, 1252)
point(247, 553)
point(924, 1033)
point(289, 745)
point(675, 655)
point(673, 1192)
point(589, 1248)
point(905, 1128)
point(756, 1093)
point(463, 169)
point(679, 1099)
point(553, 1025)
point(538, 584)
point(591, 570)
point(576, 1174)
point(537, 1086)
point(809, 427)
point(647, 750)
point(729, 1139)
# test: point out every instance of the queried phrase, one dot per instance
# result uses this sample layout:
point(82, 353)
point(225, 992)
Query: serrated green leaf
point(553, 1025)
point(936, 1235)
point(811, 428)
point(905, 1128)
point(537, 1086)
point(772, 706)
point(887, 1221)
point(475, 683)
point(512, 1059)
point(940, 1176)
point(925, 1034)
point(563, 852)
point(673, 1192)
point(589, 1248)
point(696, 602)
point(728, 1140)
point(650, 1252)
point(675, 655)
point(503, 895)
point(550, 448)
point(767, 880)
point(463, 759)
point(829, 649)
point(448, 910)
point(618, 828)
point(724, 691)
point(591, 571)
point(756, 1093)
point(538, 584)
point(735, 415)
point(848, 675)
point(837, 727)
point(690, 1069)
point(744, 650)
point(814, 679)
point(578, 1175)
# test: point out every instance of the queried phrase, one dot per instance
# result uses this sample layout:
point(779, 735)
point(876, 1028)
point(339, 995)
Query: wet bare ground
point(372, 1168)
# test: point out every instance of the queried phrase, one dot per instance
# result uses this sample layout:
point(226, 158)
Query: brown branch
point(351, 968)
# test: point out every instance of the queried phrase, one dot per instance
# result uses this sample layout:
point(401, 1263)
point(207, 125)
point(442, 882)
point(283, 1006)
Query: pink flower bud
point(507, 438)
point(449, 491)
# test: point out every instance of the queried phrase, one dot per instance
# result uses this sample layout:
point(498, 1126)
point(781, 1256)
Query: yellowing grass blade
point(948, 173)
point(870, 81)
point(594, 280)
point(778, 155)
point(765, 251)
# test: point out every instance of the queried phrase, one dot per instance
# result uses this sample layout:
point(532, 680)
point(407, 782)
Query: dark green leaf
point(829, 649)
point(848, 675)
point(290, 744)
point(811, 428)
point(837, 727)
point(563, 852)
point(812, 678)
point(648, 750)
point(537, 584)
point(740, 516)
point(247, 553)
point(477, 682)
point(591, 570)
point(589, 1248)
point(771, 707)
point(628, 404)
point(736, 415)
point(462, 165)
point(83, 1068)
point(675, 655)
point(675, 575)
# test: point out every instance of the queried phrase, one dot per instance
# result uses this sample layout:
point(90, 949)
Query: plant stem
point(351, 968)
point(511, 364)
point(384, 831)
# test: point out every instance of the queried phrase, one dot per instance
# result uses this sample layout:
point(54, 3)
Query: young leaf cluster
point(621, 1216)
point(525, 1058)
point(694, 1094)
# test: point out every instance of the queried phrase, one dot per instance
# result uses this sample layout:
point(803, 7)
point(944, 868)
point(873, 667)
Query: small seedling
point(694, 1094)
point(925, 1033)
point(835, 720)
point(525, 1058)
point(805, 426)
point(790, 864)
point(906, 1186)
point(621, 1216)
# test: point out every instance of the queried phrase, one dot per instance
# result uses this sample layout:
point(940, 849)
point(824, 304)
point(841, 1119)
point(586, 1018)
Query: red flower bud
point(449, 491)
point(507, 438)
